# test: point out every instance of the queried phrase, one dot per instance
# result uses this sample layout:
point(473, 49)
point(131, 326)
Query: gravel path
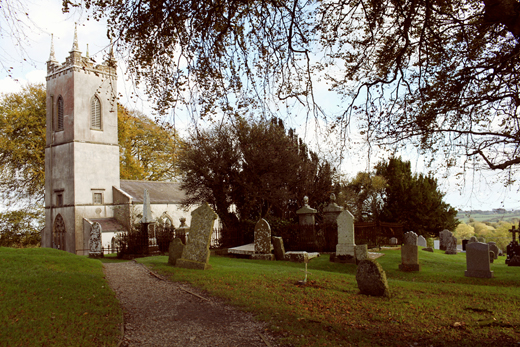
point(161, 313)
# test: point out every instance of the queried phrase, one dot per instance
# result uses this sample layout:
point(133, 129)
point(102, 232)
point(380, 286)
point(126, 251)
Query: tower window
point(95, 113)
point(59, 200)
point(59, 123)
point(97, 198)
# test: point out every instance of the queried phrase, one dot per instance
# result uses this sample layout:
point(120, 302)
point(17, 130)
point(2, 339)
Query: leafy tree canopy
point(441, 74)
point(414, 200)
point(252, 169)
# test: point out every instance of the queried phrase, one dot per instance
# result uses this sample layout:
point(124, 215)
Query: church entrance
point(58, 233)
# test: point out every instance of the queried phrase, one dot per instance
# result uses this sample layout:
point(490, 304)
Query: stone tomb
point(263, 241)
point(196, 253)
point(95, 241)
point(477, 260)
point(409, 253)
point(421, 241)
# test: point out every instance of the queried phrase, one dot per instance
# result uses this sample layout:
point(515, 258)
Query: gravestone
point(451, 244)
point(513, 249)
point(477, 260)
point(345, 246)
point(175, 251)
point(491, 256)
point(95, 241)
point(393, 241)
point(410, 238)
point(436, 244)
point(361, 252)
point(493, 247)
point(464, 244)
point(421, 241)
point(262, 237)
point(371, 279)
point(443, 238)
point(472, 239)
point(279, 249)
point(196, 253)
point(409, 253)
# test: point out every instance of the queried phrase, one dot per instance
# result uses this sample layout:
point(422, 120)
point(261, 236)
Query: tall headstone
point(409, 253)
point(95, 241)
point(196, 253)
point(477, 260)
point(443, 238)
point(330, 226)
point(263, 241)
point(345, 246)
point(451, 244)
point(421, 241)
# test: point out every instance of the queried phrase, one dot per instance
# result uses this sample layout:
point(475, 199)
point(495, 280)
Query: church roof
point(160, 192)
point(108, 224)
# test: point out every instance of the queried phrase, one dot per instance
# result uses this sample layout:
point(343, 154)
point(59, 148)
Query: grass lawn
point(54, 298)
point(436, 306)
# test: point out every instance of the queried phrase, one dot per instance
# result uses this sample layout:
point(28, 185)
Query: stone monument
point(513, 249)
point(345, 249)
point(330, 225)
point(371, 278)
point(421, 241)
point(409, 253)
point(263, 241)
point(443, 238)
point(175, 251)
point(95, 241)
point(477, 260)
point(451, 244)
point(196, 253)
point(307, 222)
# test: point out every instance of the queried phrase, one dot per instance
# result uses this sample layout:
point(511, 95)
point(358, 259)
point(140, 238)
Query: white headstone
point(421, 241)
point(346, 243)
point(147, 210)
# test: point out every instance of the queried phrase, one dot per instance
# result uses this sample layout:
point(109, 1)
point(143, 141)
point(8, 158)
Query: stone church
point(82, 182)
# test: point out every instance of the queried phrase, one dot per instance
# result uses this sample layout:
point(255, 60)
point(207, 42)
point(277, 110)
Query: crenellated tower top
point(75, 61)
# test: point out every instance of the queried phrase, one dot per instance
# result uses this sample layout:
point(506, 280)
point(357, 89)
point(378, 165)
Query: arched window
point(95, 113)
point(58, 233)
point(59, 120)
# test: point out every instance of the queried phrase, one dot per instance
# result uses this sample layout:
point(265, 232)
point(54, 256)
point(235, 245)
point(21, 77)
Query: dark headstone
point(477, 260)
point(493, 247)
point(409, 258)
point(279, 249)
point(175, 251)
point(371, 278)
point(464, 244)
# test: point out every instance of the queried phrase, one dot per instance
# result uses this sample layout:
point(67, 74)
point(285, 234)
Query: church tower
point(82, 152)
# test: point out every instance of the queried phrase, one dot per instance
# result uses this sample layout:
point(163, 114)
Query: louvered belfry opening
point(95, 112)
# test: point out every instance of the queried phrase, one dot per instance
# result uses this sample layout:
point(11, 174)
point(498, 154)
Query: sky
point(25, 62)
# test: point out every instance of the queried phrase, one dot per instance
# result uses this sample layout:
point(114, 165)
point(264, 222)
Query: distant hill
point(496, 215)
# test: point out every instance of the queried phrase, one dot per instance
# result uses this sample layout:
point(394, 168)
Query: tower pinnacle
point(75, 46)
point(52, 56)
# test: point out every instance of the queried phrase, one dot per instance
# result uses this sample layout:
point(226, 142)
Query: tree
point(21, 228)
point(414, 200)
point(148, 149)
point(22, 144)
point(250, 170)
point(439, 74)
point(363, 196)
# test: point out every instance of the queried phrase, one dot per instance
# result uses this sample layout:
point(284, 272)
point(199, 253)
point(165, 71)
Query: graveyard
point(437, 305)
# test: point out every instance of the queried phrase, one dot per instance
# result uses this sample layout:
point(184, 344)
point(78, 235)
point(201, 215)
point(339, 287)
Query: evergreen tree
point(414, 200)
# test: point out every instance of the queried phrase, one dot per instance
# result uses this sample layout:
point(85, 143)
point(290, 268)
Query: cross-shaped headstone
point(513, 230)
